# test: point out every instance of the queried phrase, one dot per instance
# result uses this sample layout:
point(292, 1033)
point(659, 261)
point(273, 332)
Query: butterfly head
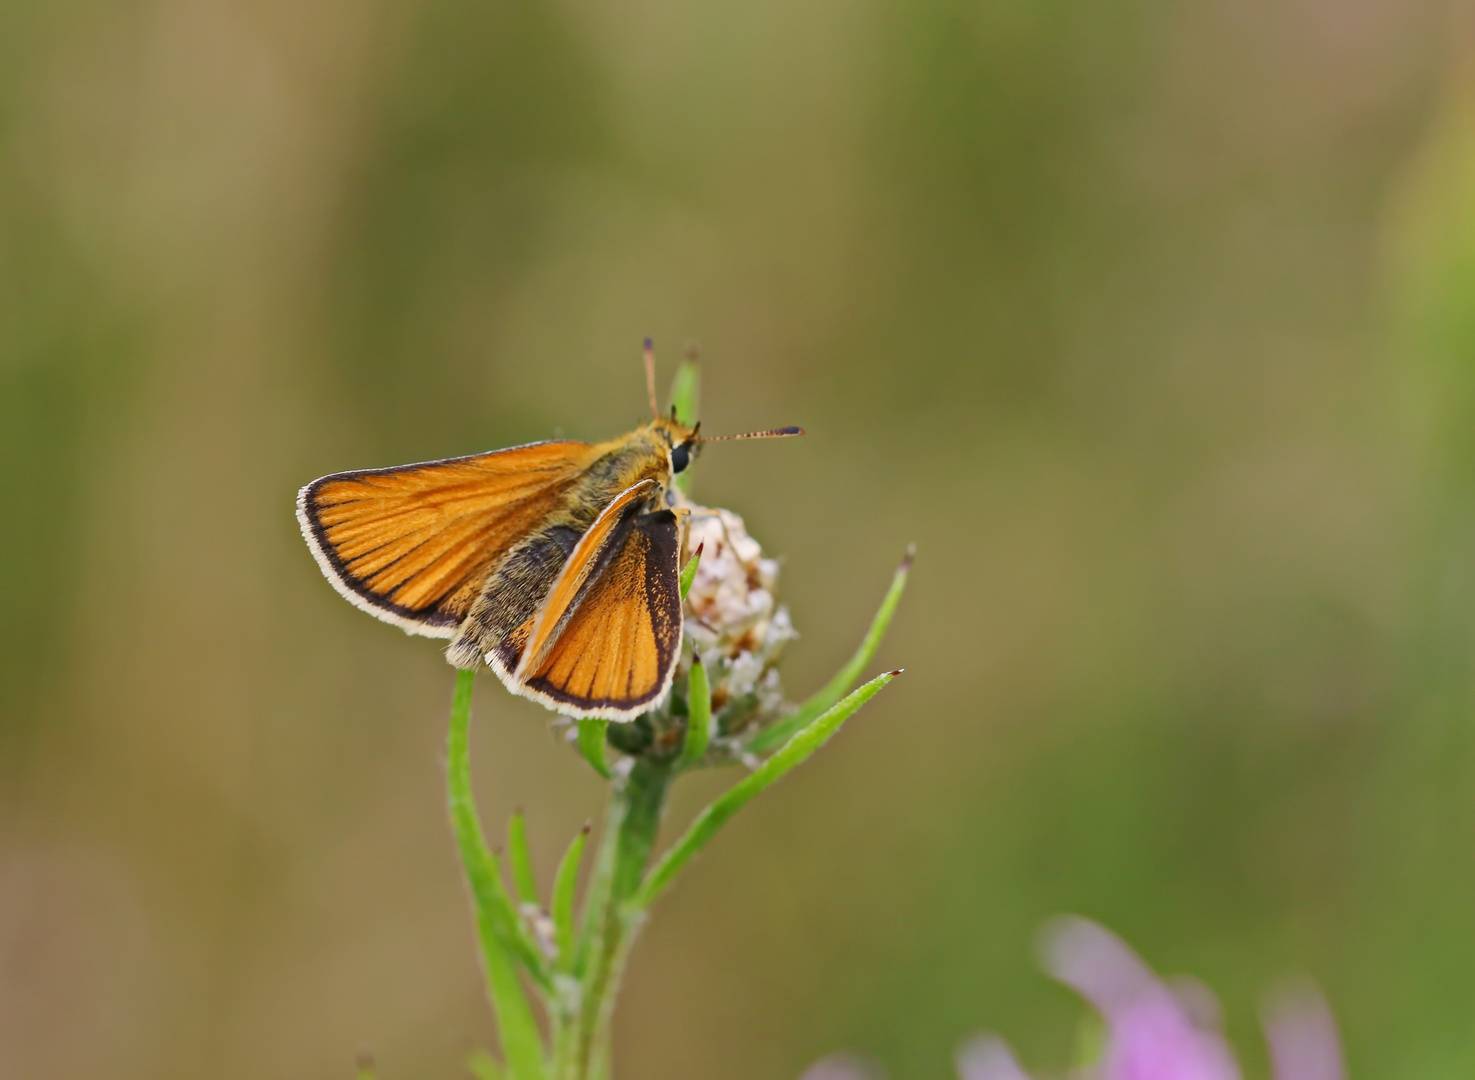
point(681, 442)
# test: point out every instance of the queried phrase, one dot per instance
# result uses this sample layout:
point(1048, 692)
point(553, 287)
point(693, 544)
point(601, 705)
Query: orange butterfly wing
point(413, 545)
point(607, 639)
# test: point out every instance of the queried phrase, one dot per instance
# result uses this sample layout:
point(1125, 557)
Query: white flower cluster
point(733, 618)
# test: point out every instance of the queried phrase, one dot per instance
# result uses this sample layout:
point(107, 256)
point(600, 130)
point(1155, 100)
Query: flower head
point(734, 620)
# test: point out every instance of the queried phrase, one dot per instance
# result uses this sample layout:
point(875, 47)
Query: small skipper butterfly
point(556, 563)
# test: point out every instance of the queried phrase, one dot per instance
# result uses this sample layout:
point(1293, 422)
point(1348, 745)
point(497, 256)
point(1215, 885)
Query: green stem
point(631, 824)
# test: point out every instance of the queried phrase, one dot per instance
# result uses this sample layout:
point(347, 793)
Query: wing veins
point(580, 562)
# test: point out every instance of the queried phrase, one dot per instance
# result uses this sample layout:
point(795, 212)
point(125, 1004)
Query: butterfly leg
point(683, 530)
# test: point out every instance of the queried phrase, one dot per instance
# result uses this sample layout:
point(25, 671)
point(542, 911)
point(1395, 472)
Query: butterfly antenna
point(771, 433)
point(650, 377)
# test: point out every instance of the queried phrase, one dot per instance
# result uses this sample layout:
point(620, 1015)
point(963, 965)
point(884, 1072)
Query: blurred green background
point(1152, 323)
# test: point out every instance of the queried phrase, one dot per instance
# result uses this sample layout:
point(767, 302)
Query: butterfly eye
point(680, 458)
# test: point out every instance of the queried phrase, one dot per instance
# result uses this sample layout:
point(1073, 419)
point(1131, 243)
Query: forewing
point(612, 649)
point(413, 545)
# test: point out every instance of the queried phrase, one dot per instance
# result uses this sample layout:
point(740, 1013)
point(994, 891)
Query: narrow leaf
point(685, 392)
point(699, 719)
point(513, 932)
point(689, 571)
point(564, 884)
point(710, 820)
point(1091, 1040)
point(516, 1025)
point(520, 859)
point(591, 744)
point(777, 733)
point(484, 1067)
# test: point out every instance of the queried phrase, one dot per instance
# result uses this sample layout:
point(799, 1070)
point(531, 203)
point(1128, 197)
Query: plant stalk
point(631, 823)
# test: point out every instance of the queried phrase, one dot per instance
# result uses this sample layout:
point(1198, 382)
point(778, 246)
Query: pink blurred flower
point(1302, 1036)
point(1160, 1032)
point(1151, 1033)
point(1154, 1030)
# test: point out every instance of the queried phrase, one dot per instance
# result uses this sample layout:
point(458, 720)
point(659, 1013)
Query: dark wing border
point(663, 597)
point(426, 624)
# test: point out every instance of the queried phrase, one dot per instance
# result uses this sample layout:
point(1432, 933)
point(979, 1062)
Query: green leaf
point(521, 1041)
point(776, 734)
point(513, 932)
point(520, 859)
point(564, 884)
point(516, 1025)
point(685, 391)
point(710, 820)
point(484, 1067)
point(699, 720)
point(1091, 1039)
point(689, 571)
point(591, 744)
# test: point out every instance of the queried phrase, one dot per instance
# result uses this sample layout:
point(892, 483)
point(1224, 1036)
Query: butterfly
point(556, 564)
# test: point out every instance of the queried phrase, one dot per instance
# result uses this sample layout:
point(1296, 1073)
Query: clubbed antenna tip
point(896, 671)
point(906, 560)
point(588, 828)
point(771, 433)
